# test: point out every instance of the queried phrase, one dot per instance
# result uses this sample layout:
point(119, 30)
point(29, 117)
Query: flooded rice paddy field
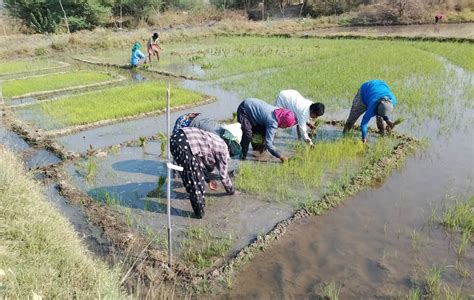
point(364, 247)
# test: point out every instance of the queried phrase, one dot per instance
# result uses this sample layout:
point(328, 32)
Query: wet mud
point(366, 245)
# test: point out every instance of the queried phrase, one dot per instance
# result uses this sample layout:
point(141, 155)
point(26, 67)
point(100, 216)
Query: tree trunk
point(65, 17)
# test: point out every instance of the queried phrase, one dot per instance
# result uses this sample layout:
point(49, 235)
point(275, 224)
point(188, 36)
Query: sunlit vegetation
point(23, 66)
point(114, 103)
point(52, 82)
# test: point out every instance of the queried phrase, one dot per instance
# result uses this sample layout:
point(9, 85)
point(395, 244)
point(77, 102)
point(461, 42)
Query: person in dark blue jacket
point(374, 98)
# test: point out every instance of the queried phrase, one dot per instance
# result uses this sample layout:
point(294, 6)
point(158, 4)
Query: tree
point(45, 15)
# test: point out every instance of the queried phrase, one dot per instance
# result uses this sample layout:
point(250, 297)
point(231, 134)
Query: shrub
point(45, 16)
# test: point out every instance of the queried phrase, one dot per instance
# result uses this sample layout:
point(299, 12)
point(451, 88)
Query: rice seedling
point(114, 103)
point(398, 121)
point(414, 294)
point(146, 204)
point(142, 140)
point(329, 161)
point(199, 248)
point(110, 199)
point(330, 291)
point(163, 138)
point(433, 282)
point(460, 216)
point(52, 82)
point(415, 240)
point(160, 186)
point(88, 169)
point(21, 66)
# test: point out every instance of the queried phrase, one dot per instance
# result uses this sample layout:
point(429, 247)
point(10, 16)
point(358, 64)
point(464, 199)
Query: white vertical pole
point(168, 185)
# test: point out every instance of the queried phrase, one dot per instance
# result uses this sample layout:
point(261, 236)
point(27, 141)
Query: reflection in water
point(136, 76)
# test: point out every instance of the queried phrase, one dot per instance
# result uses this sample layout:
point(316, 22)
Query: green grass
point(461, 54)
point(39, 249)
point(330, 291)
point(20, 66)
point(199, 248)
point(52, 82)
point(310, 169)
point(460, 216)
point(114, 103)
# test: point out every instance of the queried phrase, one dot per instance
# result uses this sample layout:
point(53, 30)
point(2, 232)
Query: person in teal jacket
point(374, 98)
point(137, 55)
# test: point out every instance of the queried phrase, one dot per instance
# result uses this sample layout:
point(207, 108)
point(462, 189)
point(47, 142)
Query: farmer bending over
point(256, 116)
point(375, 99)
point(230, 133)
point(198, 151)
point(303, 109)
point(153, 47)
point(137, 55)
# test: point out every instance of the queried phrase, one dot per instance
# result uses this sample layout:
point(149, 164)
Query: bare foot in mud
point(213, 185)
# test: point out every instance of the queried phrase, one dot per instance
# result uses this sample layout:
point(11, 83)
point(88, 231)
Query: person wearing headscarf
point(153, 47)
point(137, 55)
point(374, 98)
point(258, 117)
point(304, 110)
point(198, 152)
point(230, 133)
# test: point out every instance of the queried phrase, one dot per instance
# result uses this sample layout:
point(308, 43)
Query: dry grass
point(39, 251)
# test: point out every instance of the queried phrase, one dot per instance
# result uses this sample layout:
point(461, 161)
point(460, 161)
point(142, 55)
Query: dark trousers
point(248, 130)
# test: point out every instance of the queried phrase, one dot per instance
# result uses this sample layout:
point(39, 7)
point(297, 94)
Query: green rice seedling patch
point(461, 54)
point(335, 80)
point(460, 217)
point(23, 66)
point(199, 248)
point(52, 82)
point(113, 103)
point(311, 170)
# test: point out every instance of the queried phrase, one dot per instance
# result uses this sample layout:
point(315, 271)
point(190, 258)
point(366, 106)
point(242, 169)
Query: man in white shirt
point(303, 108)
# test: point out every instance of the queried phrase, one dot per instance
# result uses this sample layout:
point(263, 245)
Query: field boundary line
point(117, 78)
point(128, 67)
point(12, 75)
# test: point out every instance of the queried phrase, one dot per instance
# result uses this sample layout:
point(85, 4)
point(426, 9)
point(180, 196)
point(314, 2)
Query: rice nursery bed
point(27, 66)
point(113, 103)
point(43, 84)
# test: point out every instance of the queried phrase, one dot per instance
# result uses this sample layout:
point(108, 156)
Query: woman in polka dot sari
point(199, 152)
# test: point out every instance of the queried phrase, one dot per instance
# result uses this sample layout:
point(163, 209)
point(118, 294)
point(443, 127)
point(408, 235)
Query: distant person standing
point(153, 47)
point(438, 18)
point(303, 108)
point(137, 55)
point(374, 98)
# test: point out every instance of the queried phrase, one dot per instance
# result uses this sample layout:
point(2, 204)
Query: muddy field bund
point(98, 144)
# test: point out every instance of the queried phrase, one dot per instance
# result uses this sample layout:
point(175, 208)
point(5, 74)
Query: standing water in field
point(387, 241)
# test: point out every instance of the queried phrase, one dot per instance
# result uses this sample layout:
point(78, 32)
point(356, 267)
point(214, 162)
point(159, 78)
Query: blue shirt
point(261, 113)
point(371, 92)
point(136, 56)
